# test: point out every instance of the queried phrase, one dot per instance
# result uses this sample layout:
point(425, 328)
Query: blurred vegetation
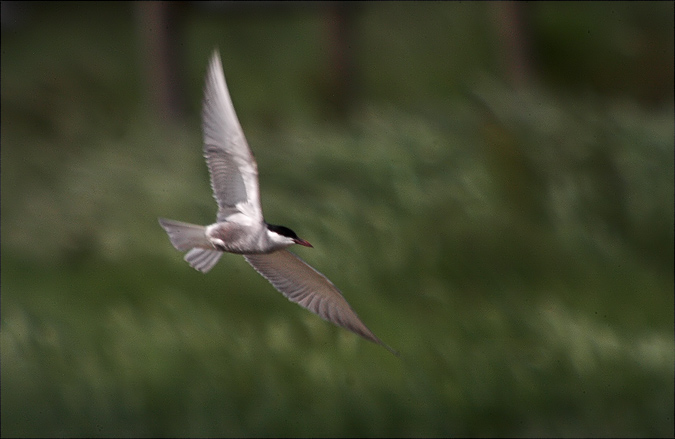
point(516, 246)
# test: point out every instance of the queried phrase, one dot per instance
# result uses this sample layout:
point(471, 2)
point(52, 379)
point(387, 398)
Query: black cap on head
point(284, 231)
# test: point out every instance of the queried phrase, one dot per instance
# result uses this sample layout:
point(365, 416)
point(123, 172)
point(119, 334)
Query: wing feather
point(302, 284)
point(233, 169)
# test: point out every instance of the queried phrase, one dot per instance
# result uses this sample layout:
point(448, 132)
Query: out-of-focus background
point(490, 184)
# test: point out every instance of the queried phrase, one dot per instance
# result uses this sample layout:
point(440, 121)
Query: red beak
point(303, 242)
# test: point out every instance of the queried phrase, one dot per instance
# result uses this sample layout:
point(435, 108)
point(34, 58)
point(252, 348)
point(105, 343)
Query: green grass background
point(516, 246)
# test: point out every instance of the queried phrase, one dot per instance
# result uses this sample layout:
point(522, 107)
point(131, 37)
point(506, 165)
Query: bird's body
point(240, 227)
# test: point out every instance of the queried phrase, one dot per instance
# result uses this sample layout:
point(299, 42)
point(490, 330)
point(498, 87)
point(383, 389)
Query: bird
point(240, 227)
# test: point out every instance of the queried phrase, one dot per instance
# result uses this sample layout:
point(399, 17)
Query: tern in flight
point(240, 227)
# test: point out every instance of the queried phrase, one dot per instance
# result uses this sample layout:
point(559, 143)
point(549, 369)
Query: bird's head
point(284, 236)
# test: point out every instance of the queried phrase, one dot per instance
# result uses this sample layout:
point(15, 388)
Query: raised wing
point(302, 284)
point(234, 172)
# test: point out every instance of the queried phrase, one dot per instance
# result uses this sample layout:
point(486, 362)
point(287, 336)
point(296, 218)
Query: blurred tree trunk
point(340, 29)
point(159, 33)
point(514, 35)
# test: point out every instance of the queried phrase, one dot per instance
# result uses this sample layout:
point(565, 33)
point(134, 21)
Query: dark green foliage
point(515, 246)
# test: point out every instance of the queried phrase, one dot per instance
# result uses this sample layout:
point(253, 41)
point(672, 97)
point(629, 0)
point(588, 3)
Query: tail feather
point(201, 259)
point(185, 236)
